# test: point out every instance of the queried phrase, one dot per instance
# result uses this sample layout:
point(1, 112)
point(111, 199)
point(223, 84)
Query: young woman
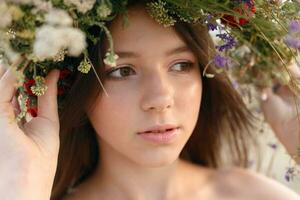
point(159, 133)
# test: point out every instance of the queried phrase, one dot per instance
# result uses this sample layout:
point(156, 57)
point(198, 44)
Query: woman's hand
point(29, 151)
point(280, 111)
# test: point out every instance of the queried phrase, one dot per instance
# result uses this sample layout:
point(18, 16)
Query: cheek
point(111, 114)
point(189, 100)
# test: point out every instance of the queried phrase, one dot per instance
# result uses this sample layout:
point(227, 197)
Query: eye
point(120, 72)
point(184, 66)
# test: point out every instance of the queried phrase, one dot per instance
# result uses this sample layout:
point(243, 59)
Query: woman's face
point(156, 82)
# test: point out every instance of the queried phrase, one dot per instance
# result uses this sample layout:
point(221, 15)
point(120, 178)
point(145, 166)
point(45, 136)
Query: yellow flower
point(84, 66)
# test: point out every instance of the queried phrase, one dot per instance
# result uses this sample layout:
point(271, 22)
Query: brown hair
point(223, 120)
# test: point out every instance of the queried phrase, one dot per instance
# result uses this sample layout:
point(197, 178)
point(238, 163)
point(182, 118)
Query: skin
point(30, 150)
point(153, 93)
point(158, 90)
point(285, 123)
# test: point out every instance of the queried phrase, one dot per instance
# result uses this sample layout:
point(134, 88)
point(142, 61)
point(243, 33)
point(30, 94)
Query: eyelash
point(187, 67)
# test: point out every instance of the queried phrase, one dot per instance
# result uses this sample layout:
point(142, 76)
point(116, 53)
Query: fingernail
point(264, 96)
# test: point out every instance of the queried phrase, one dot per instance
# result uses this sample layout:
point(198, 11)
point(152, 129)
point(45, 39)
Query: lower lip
point(160, 138)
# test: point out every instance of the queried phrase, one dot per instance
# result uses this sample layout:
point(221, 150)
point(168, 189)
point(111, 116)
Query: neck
point(122, 177)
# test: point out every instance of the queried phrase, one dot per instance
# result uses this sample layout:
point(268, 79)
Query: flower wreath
point(257, 39)
point(254, 36)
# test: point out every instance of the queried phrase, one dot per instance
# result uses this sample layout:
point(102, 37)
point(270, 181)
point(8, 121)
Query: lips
point(160, 129)
point(160, 134)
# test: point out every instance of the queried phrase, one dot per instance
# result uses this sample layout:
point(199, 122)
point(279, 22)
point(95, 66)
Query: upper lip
point(160, 128)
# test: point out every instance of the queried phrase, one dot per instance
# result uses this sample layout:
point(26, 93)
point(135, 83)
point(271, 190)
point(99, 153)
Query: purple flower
point(292, 42)
point(294, 26)
point(229, 42)
point(211, 24)
point(292, 39)
point(235, 84)
point(220, 61)
point(287, 177)
point(272, 145)
point(289, 174)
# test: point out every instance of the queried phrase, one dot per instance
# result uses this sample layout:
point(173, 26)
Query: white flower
point(5, 48)
point(82, 5)
point(75, 39)
point(50, 40)
point(41, 5)
point(5, 15)
point(111, 59)
point(59, 17)
point(104, 10)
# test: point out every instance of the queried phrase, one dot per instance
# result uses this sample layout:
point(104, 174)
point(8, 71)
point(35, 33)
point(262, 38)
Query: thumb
point(47, 103)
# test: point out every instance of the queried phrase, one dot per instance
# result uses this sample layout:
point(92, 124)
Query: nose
point(158, 93)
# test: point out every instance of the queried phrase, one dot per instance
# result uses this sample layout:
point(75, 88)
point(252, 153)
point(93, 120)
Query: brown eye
point(182, 66)
point(121, 72)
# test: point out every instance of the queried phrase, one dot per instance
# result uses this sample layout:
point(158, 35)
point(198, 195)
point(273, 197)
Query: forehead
point(143, 33)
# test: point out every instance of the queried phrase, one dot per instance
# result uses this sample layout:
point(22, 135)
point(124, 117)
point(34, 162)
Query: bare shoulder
point(79, 193)
point(246, 184)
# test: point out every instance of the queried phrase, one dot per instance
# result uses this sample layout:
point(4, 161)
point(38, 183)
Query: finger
point(47, 103)
point(17, 111)
point(284, 92)
point(15, 105)
point(287, 93)
point(8, 83)
point(272, 105)
point(8, 86)
point(2, 70)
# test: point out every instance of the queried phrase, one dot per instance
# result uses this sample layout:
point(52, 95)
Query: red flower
point(248, 9)
point(33, 111)
point(30, 109)
point(64, 73)
point(27, 86)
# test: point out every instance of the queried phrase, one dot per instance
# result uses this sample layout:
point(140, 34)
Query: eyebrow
point(177, 50)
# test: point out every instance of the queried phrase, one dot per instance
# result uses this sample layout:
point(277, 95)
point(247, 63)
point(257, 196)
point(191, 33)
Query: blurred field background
point(274, 159)
point(269, 157)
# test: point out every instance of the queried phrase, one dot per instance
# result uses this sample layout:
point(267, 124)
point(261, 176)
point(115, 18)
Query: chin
point(157, 161)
